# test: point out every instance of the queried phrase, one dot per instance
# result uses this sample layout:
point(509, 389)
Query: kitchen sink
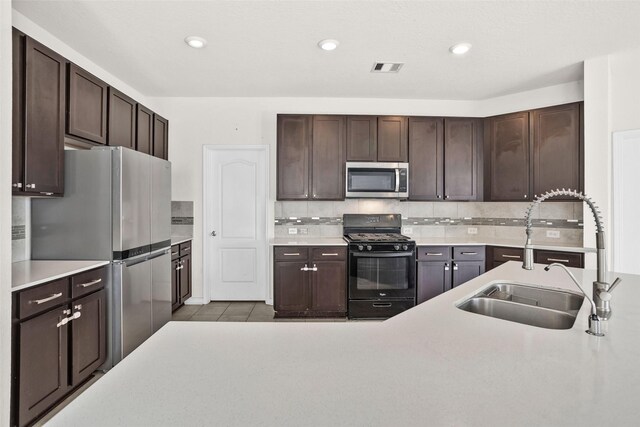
point(529, 305)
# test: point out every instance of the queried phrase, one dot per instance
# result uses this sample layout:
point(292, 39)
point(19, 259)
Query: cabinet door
point(466, 270)
point(43, 363)
point(426, 158)
point(392, 139)
point(509, 146)
point(328, 158)
point(144, 129)
point(122, 120)
point(185, 278)
point(44, 119)
point(434, 278)
point(557, 148)
point(294, 145)
point(175, 284)
point(362, 139)
point(87, 106)
point(18, 55)
point(160, 137)
point(329, 286)
point(291, 286)
point(461, 151)
point(88, 336)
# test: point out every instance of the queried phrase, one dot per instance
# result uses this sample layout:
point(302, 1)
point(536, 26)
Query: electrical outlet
point(555, 234)
point(303, 230)
point(293, 230)
point(472, 230)
point(407, 230)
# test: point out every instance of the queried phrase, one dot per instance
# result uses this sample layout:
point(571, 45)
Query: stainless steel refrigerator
point(116, 207)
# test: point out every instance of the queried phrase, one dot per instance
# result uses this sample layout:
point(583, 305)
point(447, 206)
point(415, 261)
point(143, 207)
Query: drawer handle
point(91, 283)
point(511, 256)
point(47, 299)
point(292, 254)
point(330, 254)
point(557, 260)
point(186, 249)
point(382, 305)
point(66, 320)
point(174, 253)
point(468, 253)
point(434, 253)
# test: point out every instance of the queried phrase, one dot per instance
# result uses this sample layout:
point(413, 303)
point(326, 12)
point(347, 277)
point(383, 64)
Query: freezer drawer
point(160, 289)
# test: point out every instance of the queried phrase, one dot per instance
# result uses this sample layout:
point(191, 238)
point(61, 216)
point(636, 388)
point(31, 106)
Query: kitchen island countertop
point(25, 274)
point(431, 365)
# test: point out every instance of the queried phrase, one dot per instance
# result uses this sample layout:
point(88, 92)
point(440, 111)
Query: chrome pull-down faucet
point(601, 289)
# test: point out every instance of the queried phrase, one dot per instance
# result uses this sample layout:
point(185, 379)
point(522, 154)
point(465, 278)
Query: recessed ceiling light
point(460, 48)
point(195, 42)
point(328, 44)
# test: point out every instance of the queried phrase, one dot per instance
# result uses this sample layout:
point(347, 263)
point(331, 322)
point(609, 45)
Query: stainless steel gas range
point(382, 266)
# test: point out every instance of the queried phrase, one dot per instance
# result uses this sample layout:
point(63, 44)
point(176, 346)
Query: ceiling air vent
point(386, 67)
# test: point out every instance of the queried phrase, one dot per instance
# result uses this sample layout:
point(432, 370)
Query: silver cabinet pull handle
point(468, 253)
point(47, 299)
point(91, 283)
point(434, 253)
point(330, 254)
point(46, 193)
point(446, 266)
point(455, 266)
point(174, 253)
point(305, 268)
point(66, 320)
point(31, 186)
point(180, 267)
point(292, 254)
point(315, 268)
point(186, 249)
point(511, 256)
point(557, 260)
point(17, 185)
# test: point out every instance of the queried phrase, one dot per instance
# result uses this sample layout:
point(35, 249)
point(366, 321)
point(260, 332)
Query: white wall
point(5, 210)
point(195, 122)
point(625, 90)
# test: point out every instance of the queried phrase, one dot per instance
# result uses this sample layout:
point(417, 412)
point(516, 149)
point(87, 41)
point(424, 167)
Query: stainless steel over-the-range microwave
point(377, 180)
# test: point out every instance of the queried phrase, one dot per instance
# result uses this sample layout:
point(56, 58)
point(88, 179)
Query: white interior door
point(236, 186)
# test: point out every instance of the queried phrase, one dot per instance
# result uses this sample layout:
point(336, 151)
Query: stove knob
point(360, 247)
point(369, 247)
point(396, 247)
point(405, 247)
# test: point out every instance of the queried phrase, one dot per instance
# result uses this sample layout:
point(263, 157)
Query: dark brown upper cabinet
point(38, 118)
point(557, 156)
point(462, 154)
point(426, 158)
point(509, 173)
point(144, 129)
point(392, 139)
point(86, 106)
point(328, 158)
point(122, 120)
point(160, 137)
point(294, 152)
point(362, 138)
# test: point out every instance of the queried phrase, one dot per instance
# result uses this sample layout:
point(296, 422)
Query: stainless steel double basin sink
point(529, 305)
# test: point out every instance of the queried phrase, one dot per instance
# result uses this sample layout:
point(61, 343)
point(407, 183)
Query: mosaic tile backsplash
point(20, 229)
point(182, 218)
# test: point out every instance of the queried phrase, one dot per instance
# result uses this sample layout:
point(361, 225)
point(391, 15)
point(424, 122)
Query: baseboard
point(195, 301)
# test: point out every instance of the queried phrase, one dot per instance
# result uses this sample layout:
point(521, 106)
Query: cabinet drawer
point(570, 259)
point(89, 281)
point(36, 300)
point(434, 253)
point(328, 253)
point(185, 248)
point(468, 253)
point(507, 254)
point(365, 309)
point(291, 253)
point(175, 252)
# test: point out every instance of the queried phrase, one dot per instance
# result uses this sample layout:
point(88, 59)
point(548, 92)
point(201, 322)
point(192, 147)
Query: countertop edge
point(176, 240)
point(48, 278)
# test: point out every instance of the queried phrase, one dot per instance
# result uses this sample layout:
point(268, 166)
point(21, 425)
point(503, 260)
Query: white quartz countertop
point(432, 365)
point(25, 274)
point(308, 241)
point(176, 240)
point(463, 241)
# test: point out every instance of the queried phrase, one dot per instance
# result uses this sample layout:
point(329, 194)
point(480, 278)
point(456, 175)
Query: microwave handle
point(397, 180)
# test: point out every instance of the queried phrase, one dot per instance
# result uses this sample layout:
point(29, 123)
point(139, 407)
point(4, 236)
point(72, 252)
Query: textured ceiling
point(268, 48)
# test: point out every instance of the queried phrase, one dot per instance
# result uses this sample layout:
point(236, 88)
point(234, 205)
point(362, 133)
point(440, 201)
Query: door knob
point(213, 233)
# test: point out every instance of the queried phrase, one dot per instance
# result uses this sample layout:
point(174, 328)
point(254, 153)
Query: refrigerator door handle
point(159, 253)
point(130, 262)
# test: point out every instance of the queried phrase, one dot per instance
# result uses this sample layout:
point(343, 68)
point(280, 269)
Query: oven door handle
point(382, 254)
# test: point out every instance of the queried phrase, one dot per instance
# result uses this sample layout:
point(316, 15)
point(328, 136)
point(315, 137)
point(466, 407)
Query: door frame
point(209, 150)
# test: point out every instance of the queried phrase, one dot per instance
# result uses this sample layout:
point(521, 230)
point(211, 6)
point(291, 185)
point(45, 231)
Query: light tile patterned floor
point(236, 311)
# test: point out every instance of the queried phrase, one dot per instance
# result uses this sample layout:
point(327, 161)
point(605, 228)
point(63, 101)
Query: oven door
point(380, 275)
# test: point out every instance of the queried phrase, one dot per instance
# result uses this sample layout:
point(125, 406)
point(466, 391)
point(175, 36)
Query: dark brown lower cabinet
point(498, 255)
point(310, 281)
point(463, 271)
point(55, 349)
point(434, 278)
point(180, 274)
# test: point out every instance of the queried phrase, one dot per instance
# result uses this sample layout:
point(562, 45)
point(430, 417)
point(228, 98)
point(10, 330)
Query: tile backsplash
point(182, 218)
point(20, 229)
point(438, 219)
